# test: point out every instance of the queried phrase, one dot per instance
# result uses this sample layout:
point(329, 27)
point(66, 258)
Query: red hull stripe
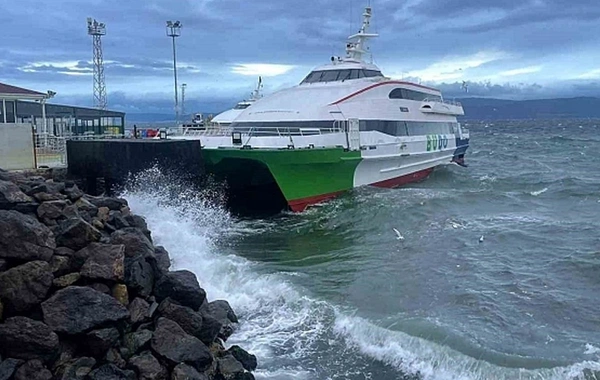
point(403, 180)
point(299, 205)
point(381, 84)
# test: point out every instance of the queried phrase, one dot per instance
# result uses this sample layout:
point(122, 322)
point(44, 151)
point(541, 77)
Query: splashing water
point(294, 334)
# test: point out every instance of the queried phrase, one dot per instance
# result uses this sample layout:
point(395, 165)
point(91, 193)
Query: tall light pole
point(183, 86)
point(97, 30)
point(174, 31)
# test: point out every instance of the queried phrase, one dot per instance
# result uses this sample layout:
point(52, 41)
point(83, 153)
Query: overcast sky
point(503, 48)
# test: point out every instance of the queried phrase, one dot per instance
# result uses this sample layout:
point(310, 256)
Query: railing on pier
point(51, 151)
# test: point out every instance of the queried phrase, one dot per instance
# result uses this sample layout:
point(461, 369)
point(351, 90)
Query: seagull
point(400, 237)
point(481, 239)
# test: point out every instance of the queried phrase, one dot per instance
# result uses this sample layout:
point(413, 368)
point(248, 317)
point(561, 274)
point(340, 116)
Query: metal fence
point(51, 151)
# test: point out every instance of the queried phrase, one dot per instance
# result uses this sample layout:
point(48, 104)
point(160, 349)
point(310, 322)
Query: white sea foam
point(590, 350)
point(536, 193)
point(284, 327)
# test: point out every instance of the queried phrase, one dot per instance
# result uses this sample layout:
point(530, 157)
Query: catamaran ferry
point(345, 125)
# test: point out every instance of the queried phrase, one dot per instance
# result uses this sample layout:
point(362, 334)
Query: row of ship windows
point(404, 93)
point(394, 128)
point(339, 75)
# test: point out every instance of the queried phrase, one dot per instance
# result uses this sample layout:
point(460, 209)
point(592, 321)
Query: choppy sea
point(497, 277)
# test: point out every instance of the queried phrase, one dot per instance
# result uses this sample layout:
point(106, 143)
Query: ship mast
point(357, 47)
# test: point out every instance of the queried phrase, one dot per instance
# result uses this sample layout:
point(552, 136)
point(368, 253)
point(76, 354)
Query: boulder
point(171, 342)
point(106, 263)
point(116, 219)
point(77, 234)
point(189, 320)
point(247, 360)
point(161, 262)
point(60, 265)
point(27, 208)
point(85, 206)
point(73, 192)
point(51, 210)
point(222, 311)
point(78, 369)
point(229, 368)
point(121, 294)
point(113, 356)
point(1, 310)
point(64, 251)
point(148, 367)
point(10, 195)
point(139, 223)
point(139, 276)
point(210, 329)
point(33, 370)
point(22, 237)
point(185, 372)
point(24, 338)
point(103, 214)
point(112, 203)
point(100, 287)
point(111, 372)
point(48, 188)
point(181, 286)
point(136, 243)
point(139, 310)
point(66, 280)
point(24, 286)
point(76, 309)
point(46, 197)
point(100, 341)
point(137, 341)
point(8, 368)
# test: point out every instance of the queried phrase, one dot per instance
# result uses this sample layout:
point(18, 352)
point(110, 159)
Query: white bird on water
point(400, 237)
point(481, 239)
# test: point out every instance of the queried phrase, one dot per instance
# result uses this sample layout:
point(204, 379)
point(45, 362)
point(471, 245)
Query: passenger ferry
point(345, 125)
point(225, 118)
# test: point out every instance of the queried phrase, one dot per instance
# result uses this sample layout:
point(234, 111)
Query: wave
point(295, 335)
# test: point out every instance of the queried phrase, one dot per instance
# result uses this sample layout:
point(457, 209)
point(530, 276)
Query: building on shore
point(20, 105)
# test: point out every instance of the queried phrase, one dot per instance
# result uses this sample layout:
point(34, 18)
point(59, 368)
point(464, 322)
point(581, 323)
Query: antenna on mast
point(356, 49)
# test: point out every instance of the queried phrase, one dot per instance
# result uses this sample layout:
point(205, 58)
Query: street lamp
point(174, 31)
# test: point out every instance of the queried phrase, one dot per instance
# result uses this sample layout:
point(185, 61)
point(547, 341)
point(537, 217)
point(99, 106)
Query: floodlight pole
point(174, 31)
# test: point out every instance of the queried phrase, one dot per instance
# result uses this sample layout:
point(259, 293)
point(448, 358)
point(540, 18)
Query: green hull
point(304, 176)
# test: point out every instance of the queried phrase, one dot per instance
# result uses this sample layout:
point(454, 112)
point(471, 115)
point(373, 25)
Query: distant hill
point(483, 108)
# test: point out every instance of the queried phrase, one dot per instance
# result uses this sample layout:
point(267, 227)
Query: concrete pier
point(114, 160)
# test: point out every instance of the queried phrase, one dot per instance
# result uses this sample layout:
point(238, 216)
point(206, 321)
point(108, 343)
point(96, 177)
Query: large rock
point(48, 188)
point(51, 210)
point(66, 280)
point(137, 341)
point(33, 370)
point(73, 192)
point(3, 265)
point(161, 262)
point(46, 197)
point(25, 286)
point(139, 223)
point(76, 309)
point(8, 368)
point(148, 367)
point(10, 195)
point(24, 338)
point(77, 233)
point(139, 310)
point(189, 320)
point(86, 206)
point(99, 342)
point(112, 203)
point(111, 372)
point(185, 372)
point(181, 286)
point(139, 276)
point(247, 360)
point(22, 237)
point(117, 220)
point(230, 368)
point(60, 265)
point(171, 342)
point(222, 311)
point(211, 328)
point(78, 369)
point(106, 263)
point(136, 243)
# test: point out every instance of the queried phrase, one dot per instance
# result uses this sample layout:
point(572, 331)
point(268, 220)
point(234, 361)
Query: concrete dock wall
point(16, 147)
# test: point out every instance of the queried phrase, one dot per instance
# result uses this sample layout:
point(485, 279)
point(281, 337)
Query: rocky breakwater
point(84, 294)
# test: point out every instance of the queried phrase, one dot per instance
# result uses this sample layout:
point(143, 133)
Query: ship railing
point(443, 101)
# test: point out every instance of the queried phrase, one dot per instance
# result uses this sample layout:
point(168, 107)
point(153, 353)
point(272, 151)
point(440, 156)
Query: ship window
point(329, 76)
point(354, 74)
point(403, 109)
point(372, 73)
point(404, 93)
point(344, 75)
point(241, 106)
point(339, 75)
